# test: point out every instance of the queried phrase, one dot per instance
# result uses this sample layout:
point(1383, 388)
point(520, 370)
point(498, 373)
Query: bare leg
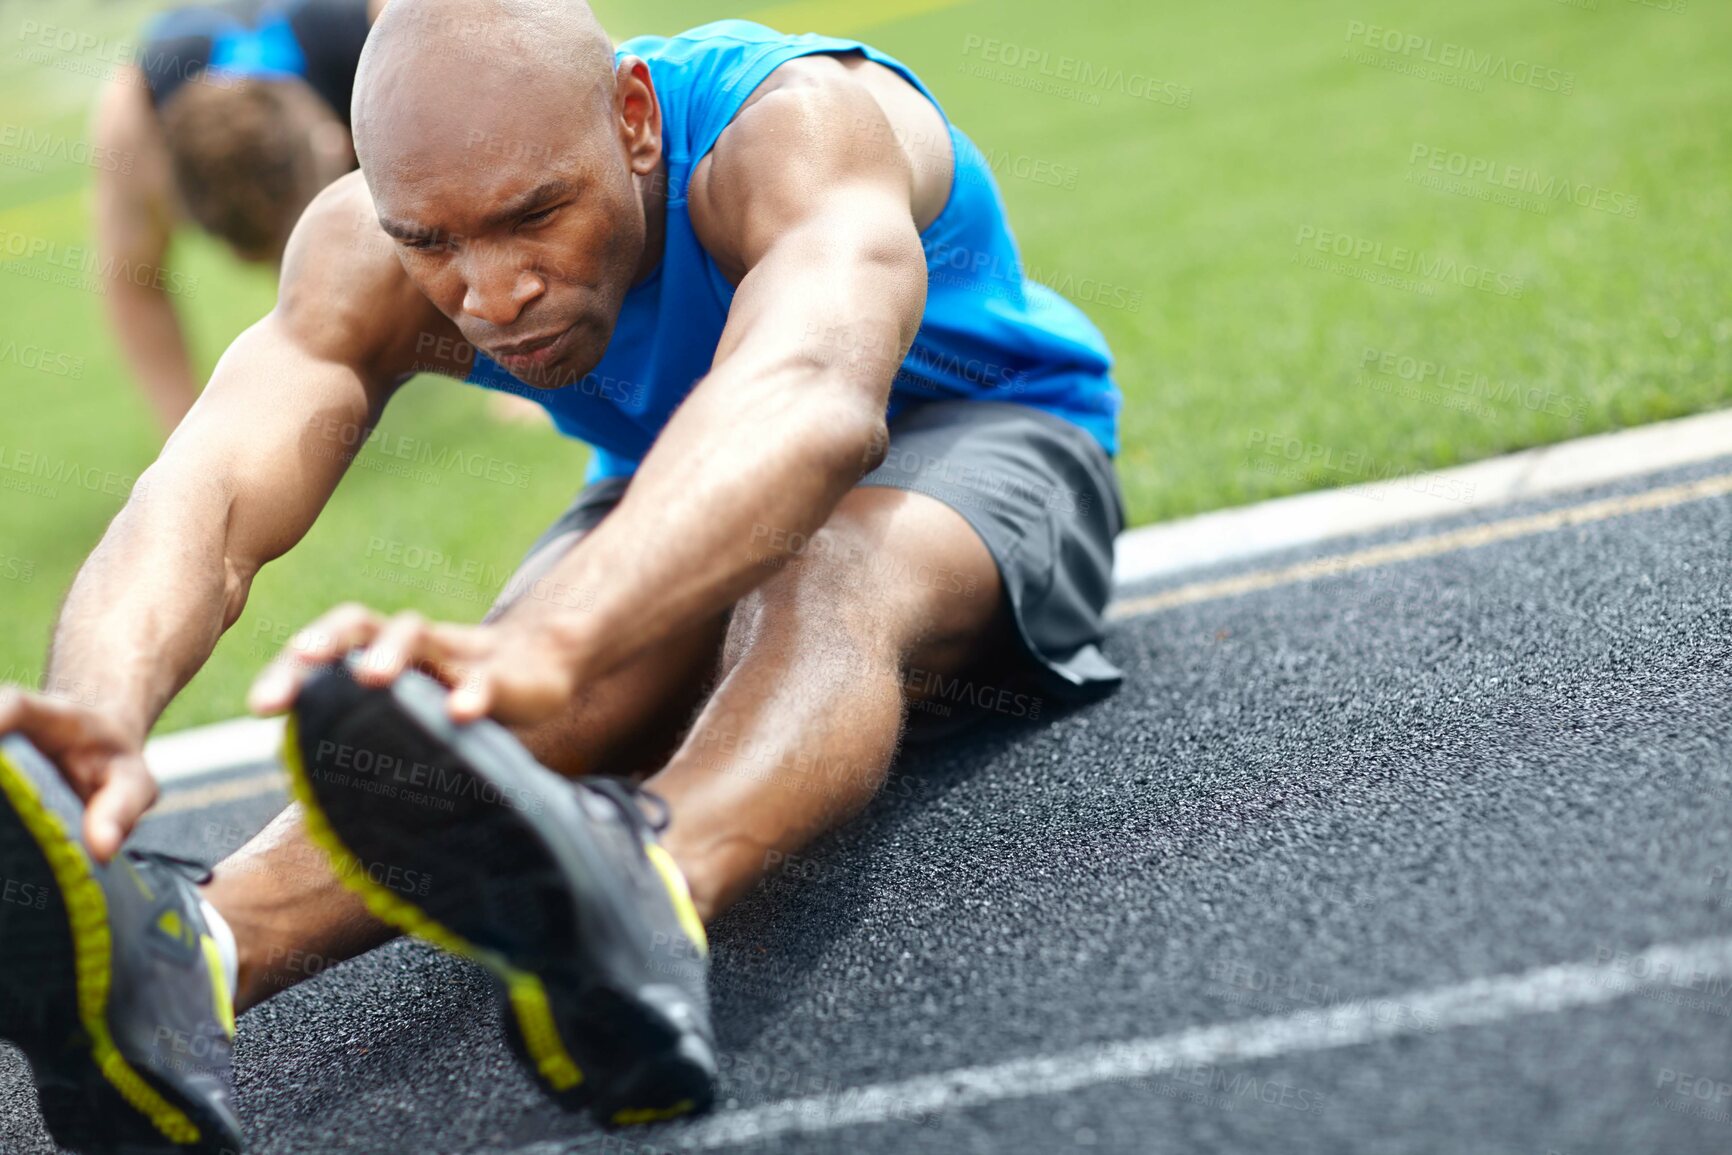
point(800, 733)
point(798, 736)
point(292, 917)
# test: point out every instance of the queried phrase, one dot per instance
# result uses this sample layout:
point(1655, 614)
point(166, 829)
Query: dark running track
point(1320, 796)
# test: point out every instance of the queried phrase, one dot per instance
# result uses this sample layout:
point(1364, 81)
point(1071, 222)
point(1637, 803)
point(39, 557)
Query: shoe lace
point(196, 872)
point(629, 796)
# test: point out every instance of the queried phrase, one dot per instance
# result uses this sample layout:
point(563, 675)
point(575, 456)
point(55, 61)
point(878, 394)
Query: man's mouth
point(534, 353)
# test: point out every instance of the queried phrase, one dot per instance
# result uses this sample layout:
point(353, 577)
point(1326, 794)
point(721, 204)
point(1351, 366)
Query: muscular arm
point(816, 225)
point(135, 217)
point(243, 477)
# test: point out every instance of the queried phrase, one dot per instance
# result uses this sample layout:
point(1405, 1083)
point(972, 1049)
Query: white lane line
point(190, 755)
point(1675, 972)
point(1436, 545)
point(1245, 532)
point(193, 754)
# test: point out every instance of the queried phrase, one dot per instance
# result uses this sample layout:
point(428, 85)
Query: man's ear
point(640, 115)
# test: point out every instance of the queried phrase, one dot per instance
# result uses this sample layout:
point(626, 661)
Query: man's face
point(518, 216)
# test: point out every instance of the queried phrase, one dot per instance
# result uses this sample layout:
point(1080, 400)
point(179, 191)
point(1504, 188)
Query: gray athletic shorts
point(1038, 490)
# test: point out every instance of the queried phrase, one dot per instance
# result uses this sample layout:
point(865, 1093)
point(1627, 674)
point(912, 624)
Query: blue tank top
point(988, 332)
point(318, 41)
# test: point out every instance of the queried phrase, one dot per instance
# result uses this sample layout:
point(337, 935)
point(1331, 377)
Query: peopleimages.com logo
point(89, 269)
point(1430, 165)
point(1470, 62)
point(1403, 261)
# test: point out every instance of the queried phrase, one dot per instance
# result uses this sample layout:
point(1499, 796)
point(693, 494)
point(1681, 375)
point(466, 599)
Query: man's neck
point(653, 192)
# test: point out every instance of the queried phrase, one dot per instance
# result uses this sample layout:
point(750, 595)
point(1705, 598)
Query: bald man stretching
point(847, 461)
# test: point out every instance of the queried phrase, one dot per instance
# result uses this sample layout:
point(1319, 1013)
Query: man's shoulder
point(344, 294)
point(812, 126)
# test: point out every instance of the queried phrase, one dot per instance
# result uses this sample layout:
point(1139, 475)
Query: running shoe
point(110, 982)
point(559, 887)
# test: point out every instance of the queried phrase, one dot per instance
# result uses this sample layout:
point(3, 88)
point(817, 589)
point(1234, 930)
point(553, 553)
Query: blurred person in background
point(236, 115)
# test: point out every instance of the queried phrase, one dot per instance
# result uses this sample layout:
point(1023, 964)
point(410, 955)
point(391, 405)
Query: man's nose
point(498, 291)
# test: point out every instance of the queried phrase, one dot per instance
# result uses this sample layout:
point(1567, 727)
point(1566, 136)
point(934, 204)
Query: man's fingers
point(405, 640)
point(326, 640)
point(472, 696)
point(46, 721)
point(116, 807)
point(333, 635)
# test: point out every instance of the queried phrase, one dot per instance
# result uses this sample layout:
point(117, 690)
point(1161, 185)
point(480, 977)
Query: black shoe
point(109, 980)
point(456, 834)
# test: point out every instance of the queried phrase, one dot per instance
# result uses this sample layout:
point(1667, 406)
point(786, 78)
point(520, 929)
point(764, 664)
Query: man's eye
point(539, 216)
point(431, 243)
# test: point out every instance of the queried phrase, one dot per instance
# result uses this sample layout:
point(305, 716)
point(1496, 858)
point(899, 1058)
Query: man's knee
point(820, 599)
point(891, 575)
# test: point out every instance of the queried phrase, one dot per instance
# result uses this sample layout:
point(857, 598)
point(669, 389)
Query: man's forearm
point(706, 516)
point(760, 453)
point(148, 606)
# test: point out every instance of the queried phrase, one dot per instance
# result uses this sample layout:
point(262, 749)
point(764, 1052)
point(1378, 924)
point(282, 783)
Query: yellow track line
point(234, 790)
point(1470, 538)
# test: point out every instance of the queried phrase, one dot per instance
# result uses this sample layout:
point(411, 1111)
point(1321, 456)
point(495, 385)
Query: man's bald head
point(512, 159)
point(427, 55)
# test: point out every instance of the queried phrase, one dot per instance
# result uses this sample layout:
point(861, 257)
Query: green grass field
point(1278, 212)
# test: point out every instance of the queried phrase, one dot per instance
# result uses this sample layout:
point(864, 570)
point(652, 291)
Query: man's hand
point(103, 762)
point(515, 673)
